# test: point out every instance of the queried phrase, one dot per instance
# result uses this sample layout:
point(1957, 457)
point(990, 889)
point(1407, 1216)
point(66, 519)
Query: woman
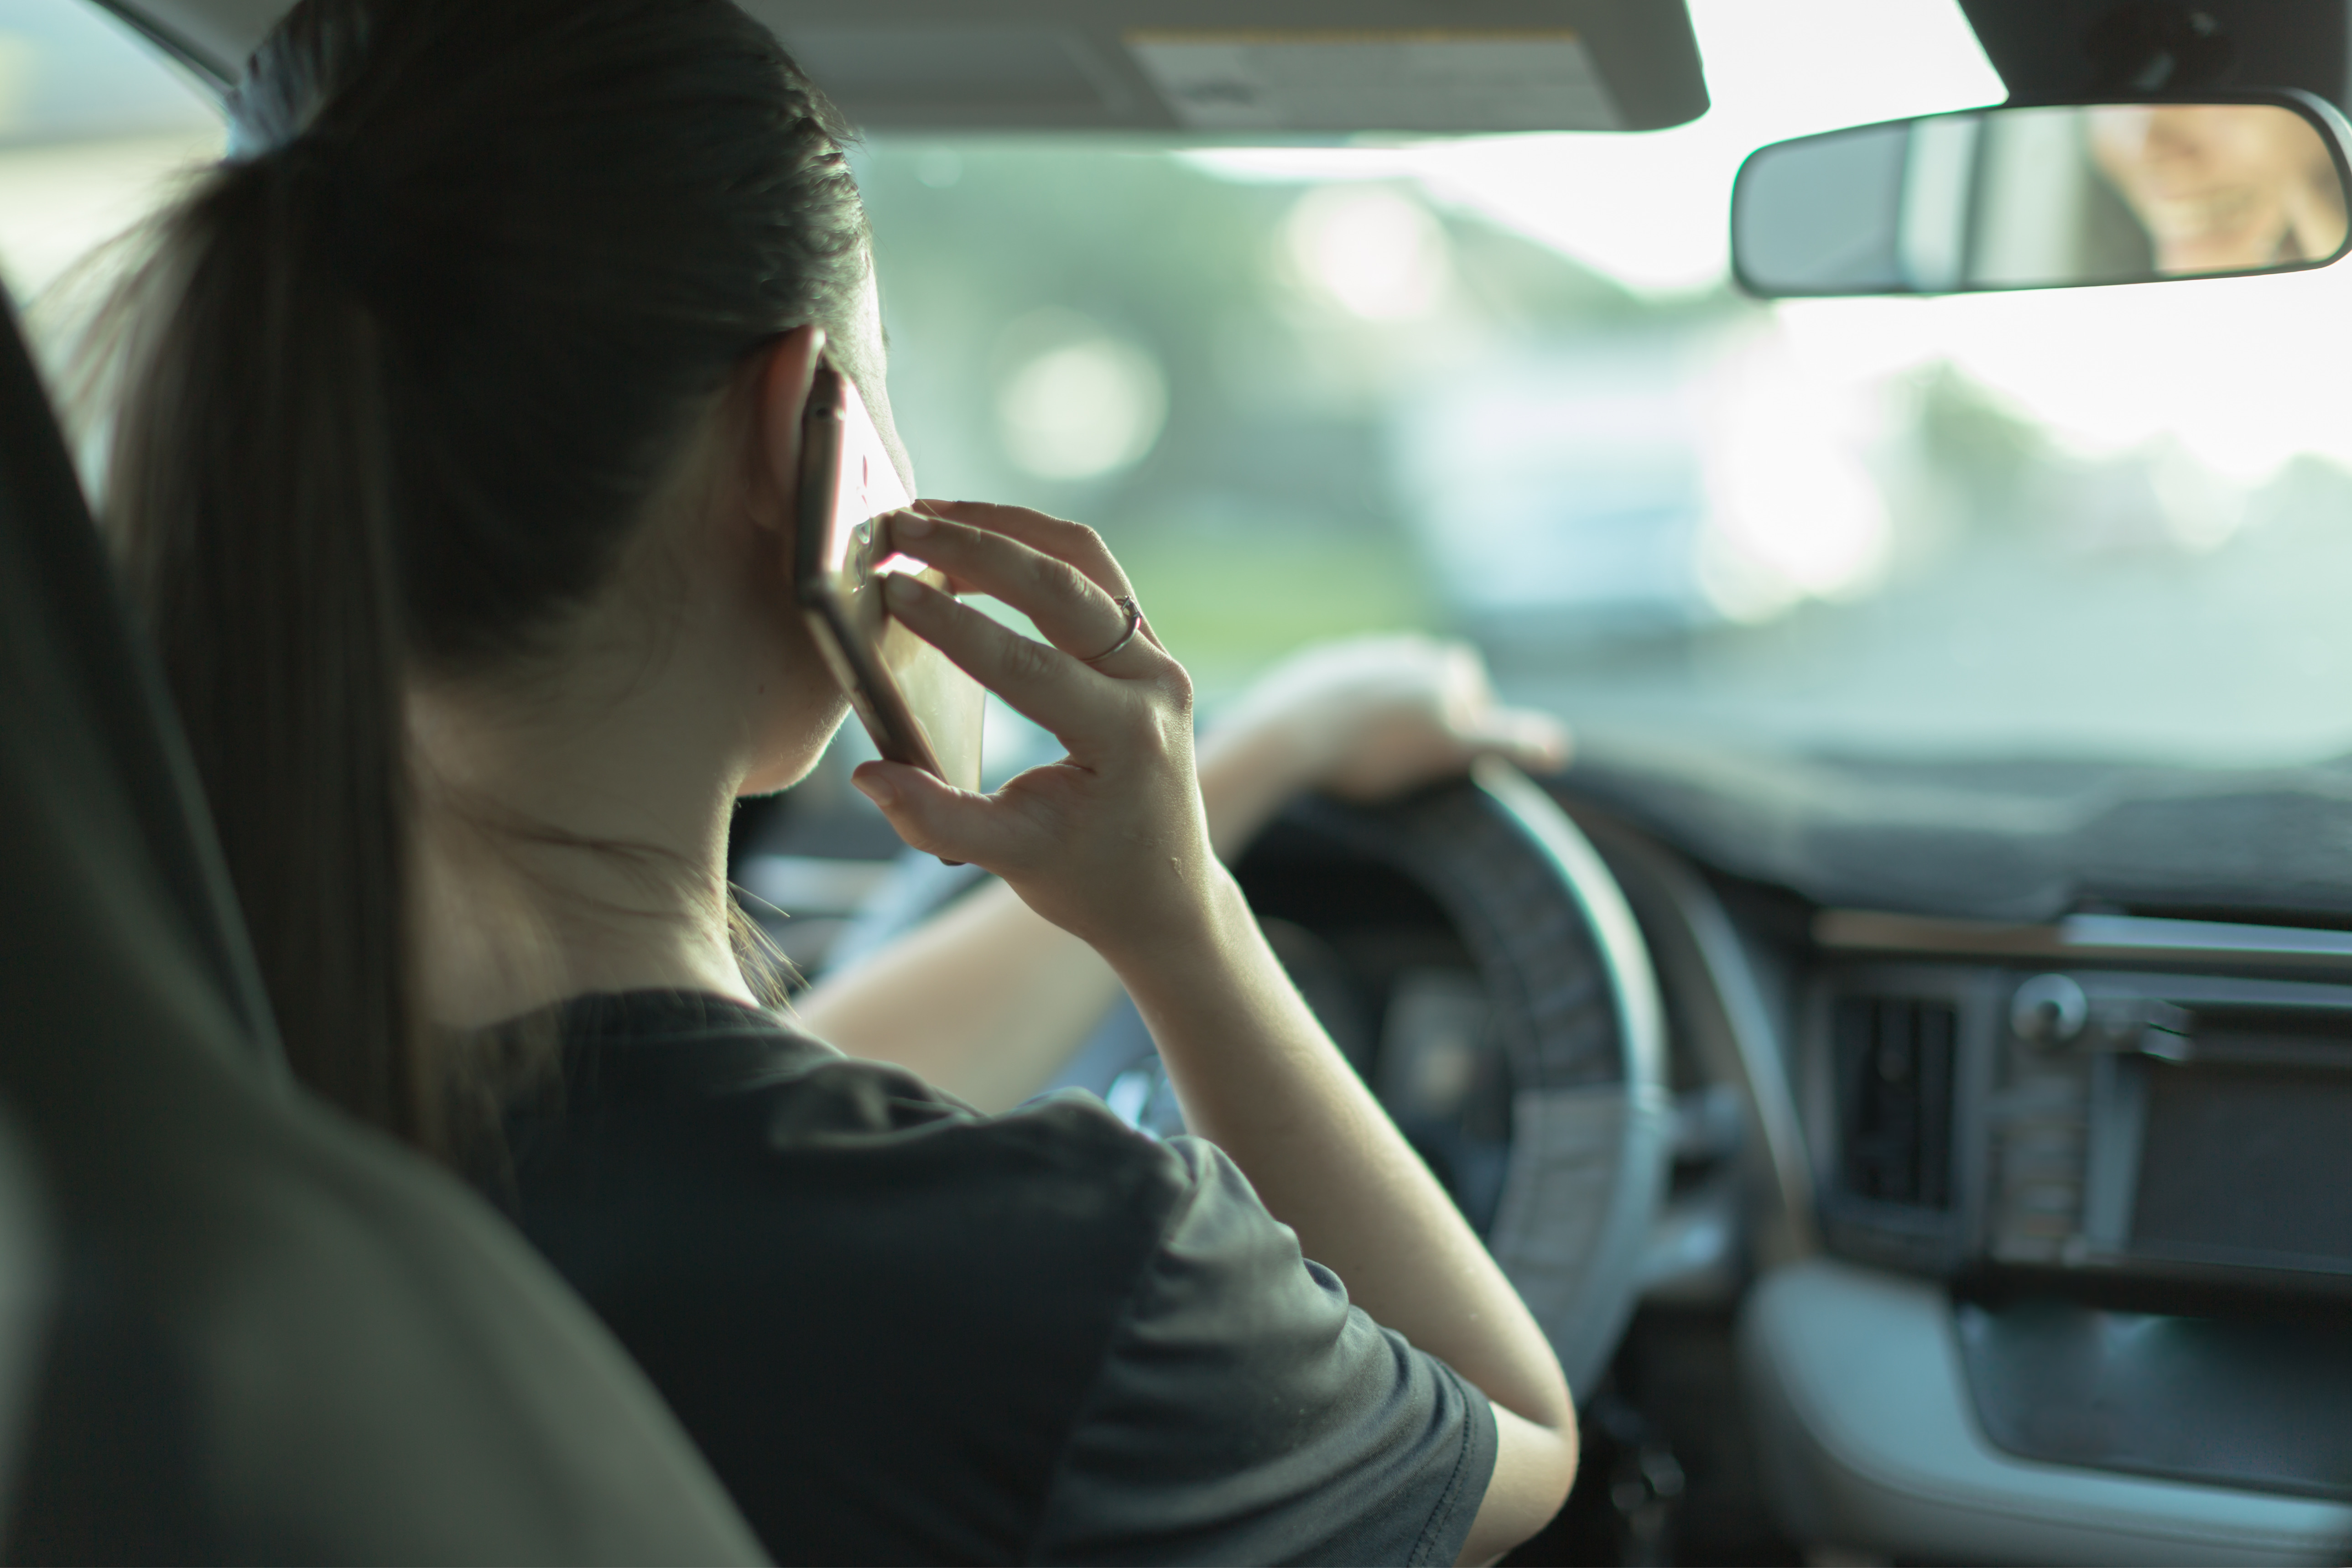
point(453, 470)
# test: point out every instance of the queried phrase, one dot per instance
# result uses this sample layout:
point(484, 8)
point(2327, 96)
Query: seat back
point(235, 1325)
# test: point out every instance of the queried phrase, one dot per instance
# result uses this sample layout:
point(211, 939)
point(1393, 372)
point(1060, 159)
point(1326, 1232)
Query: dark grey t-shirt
point(903, 1331)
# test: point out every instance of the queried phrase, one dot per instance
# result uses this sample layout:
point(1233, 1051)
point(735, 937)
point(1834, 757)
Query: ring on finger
point(1127, 634)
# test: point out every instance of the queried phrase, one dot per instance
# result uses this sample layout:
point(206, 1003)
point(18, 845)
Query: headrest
point(233, 1324)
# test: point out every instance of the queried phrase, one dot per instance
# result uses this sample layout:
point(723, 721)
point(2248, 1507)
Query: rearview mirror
point(2045, 199)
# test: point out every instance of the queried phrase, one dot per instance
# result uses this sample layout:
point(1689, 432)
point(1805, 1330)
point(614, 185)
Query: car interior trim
point(1700, 955)
point(1899, 1159)
point(1870, 1436)
point(2256, 1403)
point(214, 67)
point(2085, 937)
point(1956, 1127)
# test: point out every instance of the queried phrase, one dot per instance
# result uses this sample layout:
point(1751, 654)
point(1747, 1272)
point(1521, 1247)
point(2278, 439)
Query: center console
point(2133, 1184)
point(2158, 1126)
point(2087, 1207)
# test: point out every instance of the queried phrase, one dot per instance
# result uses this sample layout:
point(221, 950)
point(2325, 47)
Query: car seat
point(235, 1325)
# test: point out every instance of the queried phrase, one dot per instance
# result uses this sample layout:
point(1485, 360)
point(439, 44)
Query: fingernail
point(877, 790)
point(909, 525)
point(901, 590)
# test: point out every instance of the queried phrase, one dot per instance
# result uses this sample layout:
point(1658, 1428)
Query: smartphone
point(915, 704)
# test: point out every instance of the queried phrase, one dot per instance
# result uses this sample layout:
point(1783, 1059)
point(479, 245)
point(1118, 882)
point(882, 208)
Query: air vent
point(1894, 1098)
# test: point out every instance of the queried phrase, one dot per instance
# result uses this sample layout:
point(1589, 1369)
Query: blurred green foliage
point(1265, 515)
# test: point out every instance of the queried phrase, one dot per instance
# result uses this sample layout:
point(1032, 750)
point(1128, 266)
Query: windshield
point(1503, 388)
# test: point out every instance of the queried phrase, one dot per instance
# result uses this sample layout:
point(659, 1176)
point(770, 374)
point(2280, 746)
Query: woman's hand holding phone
point(1109, 843)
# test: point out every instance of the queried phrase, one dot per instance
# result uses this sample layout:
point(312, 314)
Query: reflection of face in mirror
point(2222, 187)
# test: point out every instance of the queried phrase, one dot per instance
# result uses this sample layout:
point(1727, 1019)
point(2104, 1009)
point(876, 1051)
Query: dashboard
point(2053, 1247)
point(1979, 1238)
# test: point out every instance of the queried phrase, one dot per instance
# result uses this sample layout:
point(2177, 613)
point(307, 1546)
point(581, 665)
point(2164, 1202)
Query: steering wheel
point(1472, 955)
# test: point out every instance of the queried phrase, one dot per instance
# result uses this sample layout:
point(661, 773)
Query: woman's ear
point(779, 397)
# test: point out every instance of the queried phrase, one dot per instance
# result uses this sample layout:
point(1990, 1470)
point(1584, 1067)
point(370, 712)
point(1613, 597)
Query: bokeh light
point(1372, 251)
point(1077, 402)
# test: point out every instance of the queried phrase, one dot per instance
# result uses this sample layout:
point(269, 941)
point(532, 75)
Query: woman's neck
point(572, 839)
point(572, 807)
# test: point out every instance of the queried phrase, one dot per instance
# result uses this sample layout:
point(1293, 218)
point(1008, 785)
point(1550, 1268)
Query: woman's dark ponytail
point(398, 378)
point(250, 480)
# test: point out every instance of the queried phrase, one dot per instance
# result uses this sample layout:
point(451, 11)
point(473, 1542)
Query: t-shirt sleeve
point(1245, 1413)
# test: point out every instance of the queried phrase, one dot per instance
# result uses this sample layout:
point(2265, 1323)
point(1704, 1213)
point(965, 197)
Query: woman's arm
point(1258, 1075)
point(988, 1000)
point(985, 999)
point(1111, 845)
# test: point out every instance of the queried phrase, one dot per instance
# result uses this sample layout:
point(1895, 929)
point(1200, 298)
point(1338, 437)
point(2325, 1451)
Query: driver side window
point(96, 127)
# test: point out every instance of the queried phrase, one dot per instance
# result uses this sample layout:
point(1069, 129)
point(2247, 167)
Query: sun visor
point(1222, 70)
point(1289, 68)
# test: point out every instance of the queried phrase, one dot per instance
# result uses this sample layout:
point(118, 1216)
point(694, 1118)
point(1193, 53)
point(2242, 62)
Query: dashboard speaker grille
point(1893, 1058)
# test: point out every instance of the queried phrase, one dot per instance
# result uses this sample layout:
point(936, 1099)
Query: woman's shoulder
point(731, 1093)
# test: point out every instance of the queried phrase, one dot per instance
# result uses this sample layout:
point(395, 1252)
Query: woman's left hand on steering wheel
point(1365, 719)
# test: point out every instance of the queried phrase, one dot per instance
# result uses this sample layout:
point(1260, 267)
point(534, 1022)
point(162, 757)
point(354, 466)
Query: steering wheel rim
point(1577, 1006)
point(1575, 1000)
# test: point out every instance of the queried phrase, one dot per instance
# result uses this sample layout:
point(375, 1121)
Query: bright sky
point(2244, 373)
point(1773, 71)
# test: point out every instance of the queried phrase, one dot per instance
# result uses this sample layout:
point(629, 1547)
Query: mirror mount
point(2146, 48)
